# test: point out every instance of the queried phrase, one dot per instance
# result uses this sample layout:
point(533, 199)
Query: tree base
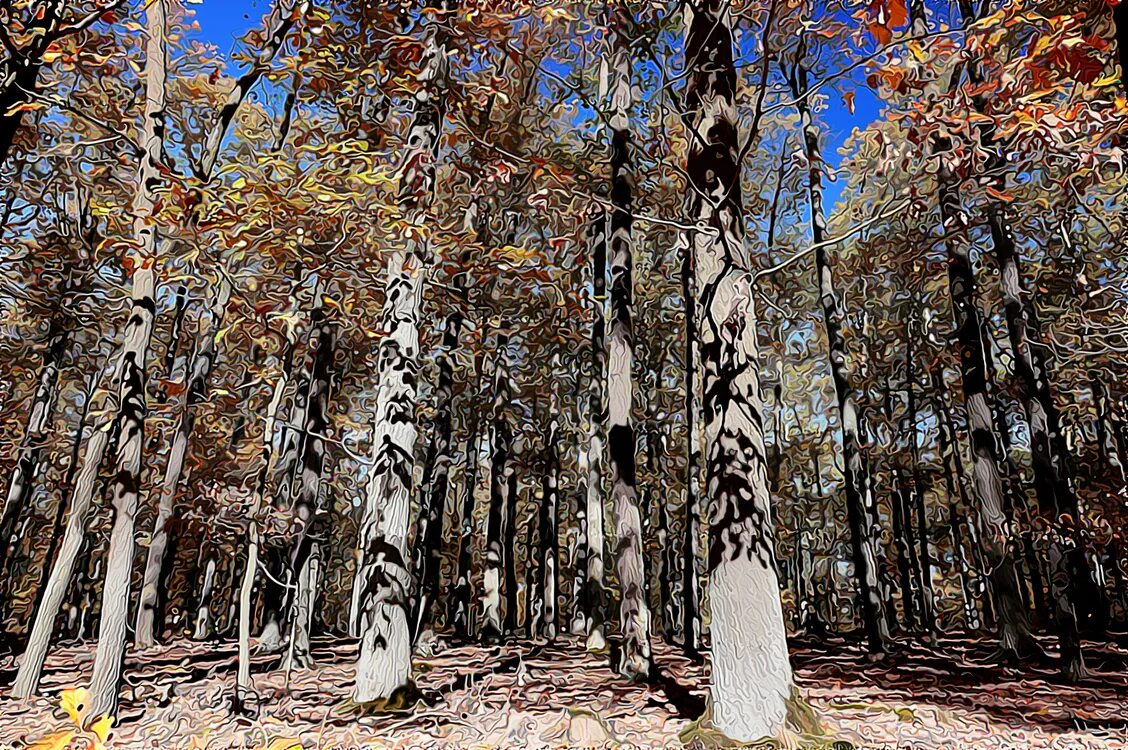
point(803, 731)
point(403, 701)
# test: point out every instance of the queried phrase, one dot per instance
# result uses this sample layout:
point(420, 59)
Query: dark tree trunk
point(833, 315)
point(995, 529)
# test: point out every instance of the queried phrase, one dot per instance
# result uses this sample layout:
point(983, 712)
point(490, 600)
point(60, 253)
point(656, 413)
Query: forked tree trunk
point(849, 411)
point(634, 610)
point(751, 682)
point(384, 662)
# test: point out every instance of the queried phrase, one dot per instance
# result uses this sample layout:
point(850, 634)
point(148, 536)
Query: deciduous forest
point(590, 373)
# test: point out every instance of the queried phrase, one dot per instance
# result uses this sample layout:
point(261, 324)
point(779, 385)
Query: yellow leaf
point(56, 741)
point(284, 743)
point(74, 702)
point(101, 728)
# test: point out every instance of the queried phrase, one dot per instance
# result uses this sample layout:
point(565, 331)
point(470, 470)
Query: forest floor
point(529, 695)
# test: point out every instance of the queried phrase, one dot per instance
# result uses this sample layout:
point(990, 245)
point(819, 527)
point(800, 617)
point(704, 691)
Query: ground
point(530, 695)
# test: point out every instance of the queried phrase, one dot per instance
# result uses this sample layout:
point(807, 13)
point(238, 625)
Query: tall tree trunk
point(751, 682)
point(923, 556)
point(634, 610)
point(1015, 641)
point(691, 593)
point(74, 538)
point(384, 662)
point(509, 565)
point(549, 536)
point(848, 409)
point(460, 600)
point(39, 425)
point(243, 687)
point(493, 627)
point(436, 477)
point(109, 656)
point(110, 653)
point(903, 542)
point(308, 501)
point(595, 596)
point(67, 486)
point(958, 503)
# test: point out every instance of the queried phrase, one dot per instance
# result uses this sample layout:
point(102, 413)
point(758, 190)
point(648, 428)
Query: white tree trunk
point(203, 614)
point(384, 663)
point(751, 674)
point(39, 641)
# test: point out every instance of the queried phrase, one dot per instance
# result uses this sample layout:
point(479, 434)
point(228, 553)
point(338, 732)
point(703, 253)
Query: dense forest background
point(661, 334)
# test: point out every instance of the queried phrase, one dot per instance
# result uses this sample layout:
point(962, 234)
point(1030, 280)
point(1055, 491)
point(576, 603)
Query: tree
point(751, 681)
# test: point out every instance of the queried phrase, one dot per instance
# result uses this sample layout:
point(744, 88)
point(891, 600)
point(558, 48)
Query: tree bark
point(109, 656)
point(751, 682)
point(549, 536)
point(460, 601)
point(203, 626)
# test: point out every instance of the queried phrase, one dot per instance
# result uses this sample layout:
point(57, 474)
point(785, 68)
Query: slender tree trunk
point(904, 550)
point(243, 687)
point(55, 590)
point(509, 534)
point(848, 409)
point(146, 630)
point(691, 590)
point(500, 439)
point(995, 532)
point(308, 499)
point(549, 537)
point(634, 610)
point(436, 477)
point(109, 657)
point(593, 516)
point(751, 682)
point(384, 662)
point(923, 556)
point(68, 485)
point(203, 625)
point(39, 426)
point(460, 601)
point(298, 654)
